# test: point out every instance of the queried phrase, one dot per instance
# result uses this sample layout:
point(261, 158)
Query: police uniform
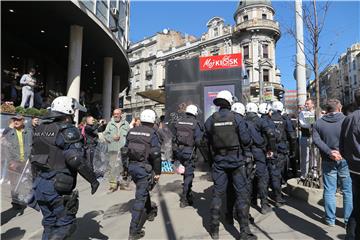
point(284, 132)
point(56, 157)
point(142, 148)
point(227, 134)
point(188, 133)
point(263, 137)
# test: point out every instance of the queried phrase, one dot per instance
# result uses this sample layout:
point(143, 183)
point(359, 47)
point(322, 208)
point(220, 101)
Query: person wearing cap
point(28, 82)
point(19, 140)
point(188, 133)
point(142, 159)
point(230, 142)
point(57, 156)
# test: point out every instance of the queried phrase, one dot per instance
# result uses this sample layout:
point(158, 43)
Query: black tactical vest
point(224, 131)
point(45, 155)
point(280, 132)
point(139, 139)
point(185, 129)
point(257, 134)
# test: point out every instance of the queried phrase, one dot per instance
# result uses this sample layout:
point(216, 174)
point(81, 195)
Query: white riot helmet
point(222, 96)
point(251, 107)
point(238, 108)
point(264, 108)
point(148, 116)
point(66, 105)
point(277, 106)
point(192, 109)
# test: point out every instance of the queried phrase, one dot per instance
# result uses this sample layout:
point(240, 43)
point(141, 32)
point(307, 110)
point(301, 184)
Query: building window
point(265, 51)
point(215, 52)
point(264, 16)
point(248, 73)
point(266, 75)
point(102, 11)
point(246, 52)
point(246, 17)
point(354, 65)
point(355, 80)
point(216, 32)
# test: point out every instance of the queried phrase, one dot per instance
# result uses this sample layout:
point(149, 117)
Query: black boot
point(214, 232)
point(280, 201)
point(136, 235)
point(265, 208)
point(246, 234)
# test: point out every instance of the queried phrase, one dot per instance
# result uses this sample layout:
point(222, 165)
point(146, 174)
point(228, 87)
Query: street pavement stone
point(107, 216)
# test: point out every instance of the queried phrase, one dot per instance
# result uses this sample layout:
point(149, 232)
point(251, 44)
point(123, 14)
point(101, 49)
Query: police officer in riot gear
point(263, 144)
point(142, 154)
point(228, 136)
point(284, 132)
point(188, 133)
point(56, 157)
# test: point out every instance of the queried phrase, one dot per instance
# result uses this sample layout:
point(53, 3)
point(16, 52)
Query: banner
point(220, 62)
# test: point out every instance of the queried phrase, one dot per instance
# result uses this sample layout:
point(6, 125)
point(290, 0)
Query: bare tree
point(314, 16)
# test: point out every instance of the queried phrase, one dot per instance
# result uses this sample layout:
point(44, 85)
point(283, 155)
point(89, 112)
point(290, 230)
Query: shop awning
point(157, 95)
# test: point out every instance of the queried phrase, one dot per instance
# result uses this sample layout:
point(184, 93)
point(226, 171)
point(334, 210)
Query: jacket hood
point(333, 117)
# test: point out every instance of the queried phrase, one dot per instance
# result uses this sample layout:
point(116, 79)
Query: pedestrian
point(263, 145)
point(284, 133)
point(91, 138)
point(57, 157)
point(228, 136)
point(350, 150)
point(115, 136)
point(290, 162)
point(188, 133)
point(4, 158)
point(35, 122)
point(306, 122)
point(142, 153)
point(326, 136)
point(19, 140)
point(135, 122)
point(28, 83)
point(166, 140)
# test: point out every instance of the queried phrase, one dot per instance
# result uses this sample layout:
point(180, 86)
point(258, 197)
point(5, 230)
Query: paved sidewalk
point(107, 216)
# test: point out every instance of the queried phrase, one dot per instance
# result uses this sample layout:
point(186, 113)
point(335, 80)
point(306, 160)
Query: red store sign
point(220, 62)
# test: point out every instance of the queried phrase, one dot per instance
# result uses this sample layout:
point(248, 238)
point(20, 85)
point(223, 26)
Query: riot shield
point(20, 176)
point(100, 161)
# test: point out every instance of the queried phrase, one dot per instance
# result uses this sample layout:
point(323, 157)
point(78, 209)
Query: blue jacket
point(326, 133)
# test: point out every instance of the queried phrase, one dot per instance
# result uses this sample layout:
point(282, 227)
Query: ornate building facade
point(254, 34)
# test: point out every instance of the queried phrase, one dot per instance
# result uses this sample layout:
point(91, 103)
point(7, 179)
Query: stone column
point(107, 85)
point(74, 63)
point(116, 91)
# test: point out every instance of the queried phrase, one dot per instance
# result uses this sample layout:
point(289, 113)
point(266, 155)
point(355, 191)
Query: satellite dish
point(165, 31)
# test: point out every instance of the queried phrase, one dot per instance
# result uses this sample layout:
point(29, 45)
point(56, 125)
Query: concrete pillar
point(116, 91)
point(74, 63)
point(300, 54)
point(107, 85)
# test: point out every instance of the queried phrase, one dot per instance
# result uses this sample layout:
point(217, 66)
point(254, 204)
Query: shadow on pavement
point(13, 234)
point(300, 225)
point(10, 213)
point(170, 231)
point(88, 227)
point(118, 209)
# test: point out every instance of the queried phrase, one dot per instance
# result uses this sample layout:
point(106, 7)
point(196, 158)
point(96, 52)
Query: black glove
point(94, 186)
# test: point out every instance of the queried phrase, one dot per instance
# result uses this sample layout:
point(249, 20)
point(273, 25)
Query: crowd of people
point(250, 149)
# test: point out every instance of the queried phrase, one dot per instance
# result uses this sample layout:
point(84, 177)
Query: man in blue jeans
point(326, 136)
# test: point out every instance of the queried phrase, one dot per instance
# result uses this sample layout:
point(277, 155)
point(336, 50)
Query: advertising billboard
point(210, 93)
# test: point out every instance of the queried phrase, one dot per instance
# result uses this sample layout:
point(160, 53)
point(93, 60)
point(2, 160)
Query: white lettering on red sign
point(220, 62)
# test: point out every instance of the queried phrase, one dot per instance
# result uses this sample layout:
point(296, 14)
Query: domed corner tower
point(256, 33)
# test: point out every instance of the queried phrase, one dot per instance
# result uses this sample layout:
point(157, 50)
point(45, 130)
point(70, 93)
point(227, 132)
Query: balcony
point(259, 24)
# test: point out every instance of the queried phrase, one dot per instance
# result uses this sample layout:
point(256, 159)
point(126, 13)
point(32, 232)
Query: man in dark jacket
point(350, 150)
point(326, 136)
